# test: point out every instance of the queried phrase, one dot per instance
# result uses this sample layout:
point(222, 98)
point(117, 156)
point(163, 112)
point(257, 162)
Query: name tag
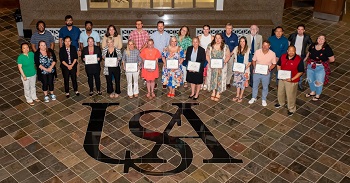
point(149, 64)
point(111, 62)
point(216, 63)
point(193, 66)
point(172, 64)
point(90, 59)
point(284, 74)
point(239, 67)
point(261, 69)
point(131, 67)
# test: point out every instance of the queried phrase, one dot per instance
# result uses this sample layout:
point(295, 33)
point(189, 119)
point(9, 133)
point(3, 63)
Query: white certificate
point(111, 62)
point(149, 64)
point(283, 74)
point(261, 69)
point(131, 67)
point(239, 67)
point(193, 66)
point(216, 63)
point(90, 59)
point(172, 64)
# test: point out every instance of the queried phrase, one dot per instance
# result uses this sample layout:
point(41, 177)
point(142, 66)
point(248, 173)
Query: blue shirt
point(231, 41)
point(83, 37)
point(240, 58)
point(160, 40)
point(46, 36)
point(73, 34)
point(279, 46)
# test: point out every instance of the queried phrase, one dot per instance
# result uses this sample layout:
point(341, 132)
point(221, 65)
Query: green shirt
point(184, 43)
point(28, 65)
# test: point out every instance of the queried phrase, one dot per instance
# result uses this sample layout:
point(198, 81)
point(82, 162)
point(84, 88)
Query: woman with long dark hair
point(45, 60)
point(112, 32)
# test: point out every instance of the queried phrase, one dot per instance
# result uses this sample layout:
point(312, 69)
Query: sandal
point(315, 98)
point(217, 98)
point(212, 97)
point(169, 94)
point(31, 103)
point(185, 85)
point(136, 95)
point(111, 95)
point(148, 95)
point(153, 95)
point(37, 100)
point(235, 99)
point(239, 100)
point(309, 95)
point(131, 96)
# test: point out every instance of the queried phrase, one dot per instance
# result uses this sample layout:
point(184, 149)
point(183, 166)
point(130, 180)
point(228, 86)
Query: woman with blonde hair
point(132, 55)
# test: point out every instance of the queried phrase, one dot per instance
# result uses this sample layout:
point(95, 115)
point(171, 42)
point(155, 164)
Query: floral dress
point(216, 78)
point(173, 77)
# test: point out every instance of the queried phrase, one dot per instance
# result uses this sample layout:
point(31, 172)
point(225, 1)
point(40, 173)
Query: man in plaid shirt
point(139, 36)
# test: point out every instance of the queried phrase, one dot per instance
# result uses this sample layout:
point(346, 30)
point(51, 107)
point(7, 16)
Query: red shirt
point(294, 65)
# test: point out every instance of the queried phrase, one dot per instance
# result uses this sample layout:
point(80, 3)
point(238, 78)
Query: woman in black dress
point(195, 53)
point(93, 70)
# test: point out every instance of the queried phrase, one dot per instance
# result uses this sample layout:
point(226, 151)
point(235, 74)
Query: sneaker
point(277, 105)
point(263, 103)
point(252, 100)
point(290, 113)
point(46, 98)
point(53, 97)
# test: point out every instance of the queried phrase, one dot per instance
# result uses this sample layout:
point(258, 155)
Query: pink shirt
point(140, 38)
point(264, 59)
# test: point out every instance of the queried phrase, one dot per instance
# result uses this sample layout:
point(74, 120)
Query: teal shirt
point(28, 65)
point(185, 43)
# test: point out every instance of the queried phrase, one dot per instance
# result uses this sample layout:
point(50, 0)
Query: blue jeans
point(315, 77)
point(301, 77)
point(265, 80)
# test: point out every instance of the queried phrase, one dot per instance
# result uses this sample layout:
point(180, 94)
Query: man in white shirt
point(301, 41)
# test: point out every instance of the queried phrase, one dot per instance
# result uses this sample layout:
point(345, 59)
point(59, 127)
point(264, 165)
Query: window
point(151, 4)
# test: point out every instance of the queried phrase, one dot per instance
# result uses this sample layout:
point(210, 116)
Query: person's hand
point(49, 70)
point(24, 78)
point(79, 53)
point(288, 79)
point(98, 58)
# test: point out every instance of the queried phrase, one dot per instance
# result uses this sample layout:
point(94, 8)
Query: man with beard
point(88, 33)
point(69, 30)
point(42, 35)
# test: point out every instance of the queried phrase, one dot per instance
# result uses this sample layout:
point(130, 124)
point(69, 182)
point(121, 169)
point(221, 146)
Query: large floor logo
point(94, 130)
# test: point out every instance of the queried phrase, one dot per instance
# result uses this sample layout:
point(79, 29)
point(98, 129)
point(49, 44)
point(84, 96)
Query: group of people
point(208, 62)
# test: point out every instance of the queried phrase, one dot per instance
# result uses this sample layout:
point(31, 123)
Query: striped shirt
point(134, 56)
point(46, 36)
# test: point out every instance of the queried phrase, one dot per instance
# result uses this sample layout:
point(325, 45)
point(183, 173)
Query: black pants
point(55, 73)
point(47, 81)
point(91, 77)
point(251, 75)
point(115, 71)
point(73, 75)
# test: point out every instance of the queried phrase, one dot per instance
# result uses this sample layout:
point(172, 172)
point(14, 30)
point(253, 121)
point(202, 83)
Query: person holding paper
point(264, 61)
point(196, 54)
point(173, 78)
point(184, 41)
point(91, 56)
point(150, 53)
point(69, 61)
point(216, 79)
point(292, 65)
point(254, 41)
point(231, 40)
point(112, 56)
point(132, 56)
point(242, 55)
point(319, 56)
point(45, 60)
point(204, 40)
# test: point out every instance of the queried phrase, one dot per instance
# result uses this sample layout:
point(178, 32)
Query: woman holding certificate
point(150, 71)
point(184, 41)
point(45, 60)
point(91, 56)
point(112, 56)
point(241, 71)
point(173, 57)
point(196, 58)
point(320, 55)
point(218, 54)
point(131, 64)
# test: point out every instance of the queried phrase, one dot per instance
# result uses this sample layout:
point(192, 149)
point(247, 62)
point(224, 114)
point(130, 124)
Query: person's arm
point(120, 43)
point(119, 54)
point(207, 54)
point(62, 57)
point(104, 42)
point(228, 55)
point(81, 46)
point(271, 67)
point(33, 47)
point(21, 71)
point(60, 42)
point(52, 46)
point(306, 57)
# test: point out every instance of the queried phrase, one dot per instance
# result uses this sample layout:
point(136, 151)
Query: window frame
point(109, 7)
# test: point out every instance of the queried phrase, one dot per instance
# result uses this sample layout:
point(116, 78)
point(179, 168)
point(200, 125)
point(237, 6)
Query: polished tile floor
point(47, 142)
